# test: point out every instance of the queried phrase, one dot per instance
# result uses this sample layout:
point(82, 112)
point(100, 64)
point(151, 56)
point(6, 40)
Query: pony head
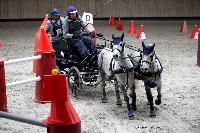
point(147, 57)
point(118, 46)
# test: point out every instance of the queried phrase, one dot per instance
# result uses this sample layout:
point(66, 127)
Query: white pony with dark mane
point(114, 64)
point(148, 68)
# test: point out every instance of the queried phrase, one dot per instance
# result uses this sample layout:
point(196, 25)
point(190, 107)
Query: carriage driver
point(75, 25)
point(55, 27)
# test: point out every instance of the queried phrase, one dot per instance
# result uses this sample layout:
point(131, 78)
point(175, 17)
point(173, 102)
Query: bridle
point(121, 44)
point(145, 61)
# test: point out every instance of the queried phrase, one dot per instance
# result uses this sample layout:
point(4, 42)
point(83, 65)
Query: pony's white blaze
point(145, 63)
point(116, 52)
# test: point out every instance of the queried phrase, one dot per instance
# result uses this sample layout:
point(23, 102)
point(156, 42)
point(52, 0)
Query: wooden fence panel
point(22, 9)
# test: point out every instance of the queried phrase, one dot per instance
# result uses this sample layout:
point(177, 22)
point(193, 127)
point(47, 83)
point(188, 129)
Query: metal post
point(23, 119)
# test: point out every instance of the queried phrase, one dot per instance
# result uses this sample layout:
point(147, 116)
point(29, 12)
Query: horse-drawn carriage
point(113, 64)
point(79, 71)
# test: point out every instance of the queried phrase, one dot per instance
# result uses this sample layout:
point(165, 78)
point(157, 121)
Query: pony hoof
point(152, 114)
point(131, 115)
point(134, 108)
point(119, 102)
point(104, 100)
point(158, 102)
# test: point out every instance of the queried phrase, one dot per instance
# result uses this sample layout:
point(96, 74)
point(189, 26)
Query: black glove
point(60, 34)
point(68, 35)
point(93, 34)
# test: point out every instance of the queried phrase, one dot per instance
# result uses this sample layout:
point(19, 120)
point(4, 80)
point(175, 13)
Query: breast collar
point(118, 71)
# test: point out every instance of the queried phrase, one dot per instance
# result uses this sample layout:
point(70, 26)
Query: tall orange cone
point(198, 51)
point(196, 36)
point(132, 29)
point(44, 43)
point(184, 27)
point(195, 29)
point(112, 21)
point(45, 20)
point(119, 26)
point(63, 117)
point(3, 96)
point(141, 35)
point(1, 44)
point(45, 64)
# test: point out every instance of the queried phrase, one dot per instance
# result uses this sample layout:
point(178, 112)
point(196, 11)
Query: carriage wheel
point(74, 81)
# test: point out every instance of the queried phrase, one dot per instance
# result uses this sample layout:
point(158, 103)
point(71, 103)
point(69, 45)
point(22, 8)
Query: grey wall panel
point(20, 9)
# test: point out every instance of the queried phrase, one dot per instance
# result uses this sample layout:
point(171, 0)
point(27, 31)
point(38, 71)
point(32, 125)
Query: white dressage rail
point(23, 81)
point(38, 57)
point(23, 59)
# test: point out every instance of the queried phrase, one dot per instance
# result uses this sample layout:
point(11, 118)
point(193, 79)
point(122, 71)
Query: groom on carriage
point(71, 28)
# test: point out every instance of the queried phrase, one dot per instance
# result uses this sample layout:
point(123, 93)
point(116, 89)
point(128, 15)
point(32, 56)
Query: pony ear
point(143, 45)
point(122, 36)
point(153, 46)
point(113, 36)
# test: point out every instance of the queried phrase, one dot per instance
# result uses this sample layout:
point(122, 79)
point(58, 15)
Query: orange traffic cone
point(196, 36)
point(44, 43)
point(45, 20)
point(3, 96)
point(63, 117)
point(132, 29)
point(119, 26)
point(1, 44)
point(112, 21)
point(141, 34)
point(45, 64)
point(184, 28)
point(198, 51)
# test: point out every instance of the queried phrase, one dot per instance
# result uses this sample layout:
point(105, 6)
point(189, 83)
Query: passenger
point(75, 25)
point(54, 26)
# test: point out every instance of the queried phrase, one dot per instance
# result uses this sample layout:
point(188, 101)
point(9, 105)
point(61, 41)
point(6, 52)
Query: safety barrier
point(22, 60)
point(50, 87)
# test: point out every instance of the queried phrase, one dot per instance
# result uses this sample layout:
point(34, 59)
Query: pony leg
point(150, 100)
point(126, 98)
point(133, 97)
point(158, 101)
point(119, 101)
point(103, 84)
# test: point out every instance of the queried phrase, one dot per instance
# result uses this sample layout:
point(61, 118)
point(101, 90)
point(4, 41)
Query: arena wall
point(34, 9)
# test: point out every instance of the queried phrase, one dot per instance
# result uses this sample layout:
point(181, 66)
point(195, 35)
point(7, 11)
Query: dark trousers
point(89, 44)
point(85, 46)
point(57, 49)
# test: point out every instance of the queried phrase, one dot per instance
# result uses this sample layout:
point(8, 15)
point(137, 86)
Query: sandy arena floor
point(180, 108)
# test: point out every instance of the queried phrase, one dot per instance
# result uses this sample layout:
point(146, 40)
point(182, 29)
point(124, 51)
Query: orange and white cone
point(196, 36)
point(141, 35)
point(195, 30)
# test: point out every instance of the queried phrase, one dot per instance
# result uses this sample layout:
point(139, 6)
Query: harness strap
point(55, 24)
point(118, 71)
